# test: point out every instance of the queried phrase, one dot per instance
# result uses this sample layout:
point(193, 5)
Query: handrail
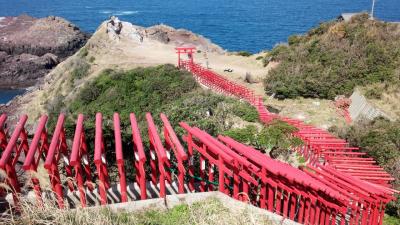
point(154, 137)
point(137, 140)
point(99, 146)
point(9, 160)
point(179, 148)
point(3, 119)
point(29, 163)
point(140, 157)
point(157, 147)
point(54, 141)
point(172, 142)
point(120, 158)
point(100, 161)
point(77, 141)
point(5, 157)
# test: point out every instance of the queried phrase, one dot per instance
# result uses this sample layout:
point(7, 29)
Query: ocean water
point(250, 25)
point(7, 95)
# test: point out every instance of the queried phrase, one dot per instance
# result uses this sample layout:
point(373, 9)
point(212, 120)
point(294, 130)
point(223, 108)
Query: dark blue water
point(7, 95)
point(251, 25)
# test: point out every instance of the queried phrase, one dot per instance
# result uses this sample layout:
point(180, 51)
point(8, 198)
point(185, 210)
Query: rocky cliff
point(31, 47)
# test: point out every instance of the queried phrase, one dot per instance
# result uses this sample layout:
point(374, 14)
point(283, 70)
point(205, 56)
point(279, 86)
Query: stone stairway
point(113, 194)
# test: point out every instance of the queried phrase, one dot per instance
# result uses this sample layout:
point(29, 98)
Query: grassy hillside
point(154, 89)
point(334, 57)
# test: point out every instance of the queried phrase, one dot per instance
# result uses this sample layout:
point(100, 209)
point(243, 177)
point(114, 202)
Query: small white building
point(347, 16)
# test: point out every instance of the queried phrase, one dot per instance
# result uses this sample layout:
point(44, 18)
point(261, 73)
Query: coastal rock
point(158, 35)
point(251, 79)
point(25, 34)
point(30, 47)
point(117, 29)
point(114, 27)
point(180, 37)
point(25, 69)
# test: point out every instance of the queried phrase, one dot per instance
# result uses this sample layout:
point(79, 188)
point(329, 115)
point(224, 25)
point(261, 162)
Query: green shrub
point(334, 58)
point(92, 59)
point(321, 29)
point(246, 135)
point(80, 69)
point(259, 57)
point(244, 53)
point(390, 220)
point(294, 39)
point(83, 52)
point(246, 112)
point(279, 51)
point(276, 138)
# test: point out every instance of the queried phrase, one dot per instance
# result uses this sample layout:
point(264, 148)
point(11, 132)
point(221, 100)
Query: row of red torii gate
point(339, 185)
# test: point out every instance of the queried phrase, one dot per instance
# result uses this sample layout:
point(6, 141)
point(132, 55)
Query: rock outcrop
point(31, 47)
point(178, 37)
point(164, 34)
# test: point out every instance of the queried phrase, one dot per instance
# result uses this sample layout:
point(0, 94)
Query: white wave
point(1, 19)
point(125, 13)
point(118, 13)
point(106, 12)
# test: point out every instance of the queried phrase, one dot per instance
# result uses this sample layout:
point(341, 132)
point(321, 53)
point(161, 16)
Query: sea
point(235, 25)
point(7, 94)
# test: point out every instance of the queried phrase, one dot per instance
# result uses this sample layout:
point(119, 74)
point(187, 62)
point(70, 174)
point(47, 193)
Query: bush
point(80, 69)
point(246, 135)
point(294, 39)
point(259, 57)
point(390, 220)
point(276, 138)
point(334, 58)
point(83, 52)
point(278, 51)
point(92, 59)
point(244, 53)
point(246, 112)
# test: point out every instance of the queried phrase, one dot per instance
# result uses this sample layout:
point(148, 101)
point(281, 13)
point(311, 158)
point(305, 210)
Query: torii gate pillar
point(185, 50)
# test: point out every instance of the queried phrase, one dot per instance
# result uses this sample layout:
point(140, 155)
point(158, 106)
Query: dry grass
point(318, 112)
point(389, 98)
point(209, 211)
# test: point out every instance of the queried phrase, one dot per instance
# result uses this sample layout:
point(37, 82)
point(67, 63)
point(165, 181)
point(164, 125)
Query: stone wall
point(361, 108)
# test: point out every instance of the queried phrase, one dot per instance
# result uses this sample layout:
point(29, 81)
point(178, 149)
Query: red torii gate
point(185, 50)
